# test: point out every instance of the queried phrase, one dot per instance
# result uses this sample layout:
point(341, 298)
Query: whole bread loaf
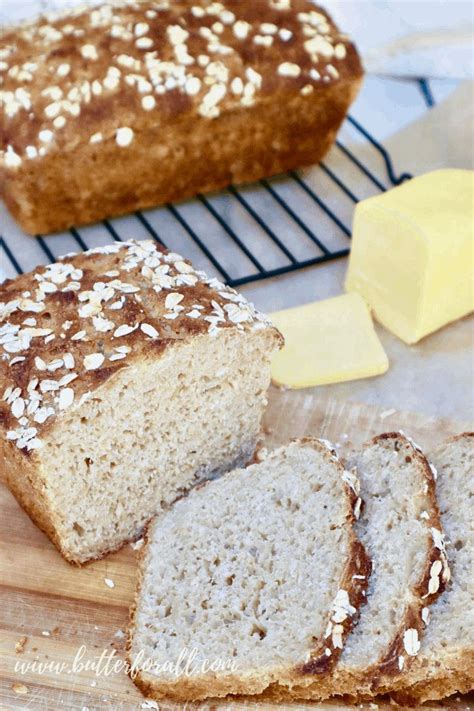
point(108, 109)
point(251, 579)
point(125, 377)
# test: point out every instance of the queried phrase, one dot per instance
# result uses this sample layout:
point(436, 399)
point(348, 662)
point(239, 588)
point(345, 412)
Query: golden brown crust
point(354, 581)
point(442, 685)
point(289, 101)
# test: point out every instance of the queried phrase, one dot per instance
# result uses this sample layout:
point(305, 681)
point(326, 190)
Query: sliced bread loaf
point(250, 579)
point(445, 664)
point(400, 528)
point(125, 376)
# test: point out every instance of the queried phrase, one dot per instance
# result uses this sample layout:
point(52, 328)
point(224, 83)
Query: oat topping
point(93, 361)
point(289, 69)
point(115, 303)
point(425, 616)
point(349, 476)
point(124, 136)
point(441, 566)
point(62, 77)
point(357, 508)
point(341, 610)
point(411, 642)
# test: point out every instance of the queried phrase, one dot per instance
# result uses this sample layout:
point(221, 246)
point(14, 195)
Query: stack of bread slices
point(302, 577)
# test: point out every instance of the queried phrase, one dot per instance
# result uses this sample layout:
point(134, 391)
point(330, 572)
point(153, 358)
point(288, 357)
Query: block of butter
point(327, 342)
point(412, 256)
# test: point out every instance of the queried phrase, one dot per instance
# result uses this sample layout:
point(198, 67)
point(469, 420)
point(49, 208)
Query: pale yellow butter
point(327, 342)
point(412, 255)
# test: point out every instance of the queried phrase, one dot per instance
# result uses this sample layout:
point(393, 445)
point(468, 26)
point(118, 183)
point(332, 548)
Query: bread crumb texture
point(399, 526)
point(396, 487)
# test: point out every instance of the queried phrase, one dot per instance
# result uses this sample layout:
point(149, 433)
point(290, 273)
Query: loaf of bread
point(125, 377)
point(254, 578)
point(128, 105)
point(445, 663)
point(400, 528)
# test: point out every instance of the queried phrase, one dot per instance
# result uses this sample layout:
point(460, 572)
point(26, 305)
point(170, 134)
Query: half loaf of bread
point(125, 377)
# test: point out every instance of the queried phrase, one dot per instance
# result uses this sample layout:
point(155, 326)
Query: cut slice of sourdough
point(445, 663)
point(126, 376)
point(250, 579)
point(400, 528)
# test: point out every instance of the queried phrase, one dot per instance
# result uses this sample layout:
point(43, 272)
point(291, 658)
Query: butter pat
point(327, 342)
point(412, 253)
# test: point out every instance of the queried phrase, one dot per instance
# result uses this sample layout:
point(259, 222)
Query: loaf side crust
point(192, 689)
point(114, 126)
point(199, 158)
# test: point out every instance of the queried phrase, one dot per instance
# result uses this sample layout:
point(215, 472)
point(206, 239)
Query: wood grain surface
point(52, 613)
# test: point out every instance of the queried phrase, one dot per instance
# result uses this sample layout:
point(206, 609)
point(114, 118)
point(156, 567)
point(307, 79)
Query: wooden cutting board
point(51, 611)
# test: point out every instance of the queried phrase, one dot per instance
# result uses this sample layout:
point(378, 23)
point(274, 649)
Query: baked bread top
point(105, 73)
point(68, 327)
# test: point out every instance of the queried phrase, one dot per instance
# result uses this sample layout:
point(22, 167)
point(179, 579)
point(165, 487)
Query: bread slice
point(400, 528)
point(445, 664)
point(258, 574)
point(126, 376)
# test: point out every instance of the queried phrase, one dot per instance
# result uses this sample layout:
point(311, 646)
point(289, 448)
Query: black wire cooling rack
point(246, 234)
